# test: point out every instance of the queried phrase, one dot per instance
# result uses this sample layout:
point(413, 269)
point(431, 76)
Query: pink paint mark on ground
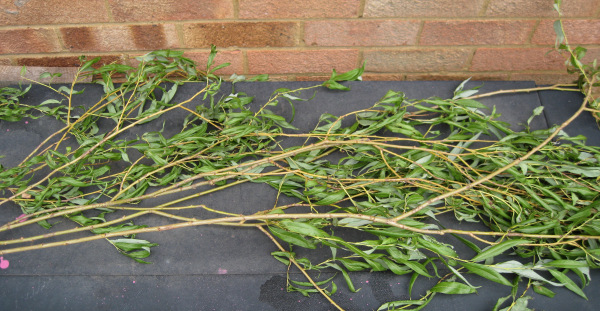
point(222, 271)
point(133, 282)
point(367, 282)
point(26, 122)
point(22, 218)
point(8, 130)
point(3, 263)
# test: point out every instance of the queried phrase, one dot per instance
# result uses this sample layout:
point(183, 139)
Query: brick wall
point(304, 40)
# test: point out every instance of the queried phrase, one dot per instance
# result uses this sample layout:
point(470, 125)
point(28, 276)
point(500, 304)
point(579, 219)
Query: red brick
point(13, 74)
point(235, 58)
point(312, 78)
point(544, 78)
point(423, 8)
point(577, 32)
point(275, 77)
point(541, 8)
point(245, 34)
point(592, 53)
point(160, 10)
point(66, 61)
point(475, 32)
point(52, 12)
point(120, 38)
point(28, 40)
point(360, 33)
point(515, 59)
point(416, 60)
point(306, 61)
point(457, 77)
point(266, 9)
point(383, 77)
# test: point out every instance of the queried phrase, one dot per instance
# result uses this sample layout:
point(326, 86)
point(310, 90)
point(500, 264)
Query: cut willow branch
point(506, 167)
point(243, 219)
point(317, 287)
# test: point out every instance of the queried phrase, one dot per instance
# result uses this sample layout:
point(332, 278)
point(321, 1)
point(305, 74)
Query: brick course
point(235, 58)
point(514, 59)
point(267, 9)
point(42, 12)
point(120, 38)
point(577, 32)
point(361, 33)
point(541, 8)
point(499, 32)
point(246, 34)
point(28, 40)
point(66, 61)
point(160, 10)
point(416, 60)
point(308, 61)
point(423, 8)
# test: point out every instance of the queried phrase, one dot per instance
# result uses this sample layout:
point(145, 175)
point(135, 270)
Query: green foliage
point(396, 157)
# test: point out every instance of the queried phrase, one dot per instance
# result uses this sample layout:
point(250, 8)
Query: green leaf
point(415, 266)
point(332, 198)
point(309, 284)
point(349, 281)
point(438, 248)
point(292, 238)
point(131, 244)
point(353, 265)
point(72, 182)
point(333, 85)
point(519, 305)
point(304, 229)
point(452, 288)
point(486, 272)
point(569, 264)
point(560, 35)
point(498, 249)
point(543, 291)
point(513, 266)
point(499, 302)
point(568, 283)
point(470, 103)
point(411, 283)
point(395, 268)
point(398, 303)
point(353, 222)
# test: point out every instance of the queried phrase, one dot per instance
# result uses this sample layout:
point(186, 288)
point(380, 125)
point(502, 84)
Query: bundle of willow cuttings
point(388, 171)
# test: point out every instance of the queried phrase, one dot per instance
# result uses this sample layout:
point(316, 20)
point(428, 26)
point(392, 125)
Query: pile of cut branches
point(388, 170)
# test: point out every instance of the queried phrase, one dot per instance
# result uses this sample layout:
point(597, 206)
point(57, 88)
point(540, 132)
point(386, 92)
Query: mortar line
point(484, 8)
point(301, 34)
point(111, 18)
point(294, 48)
point(230, 20)
point(469, 62)
point(245, 70)
point(361, 8)
point(236, 9)
point(180, 36)
point(60, 39)
point(419, 32)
